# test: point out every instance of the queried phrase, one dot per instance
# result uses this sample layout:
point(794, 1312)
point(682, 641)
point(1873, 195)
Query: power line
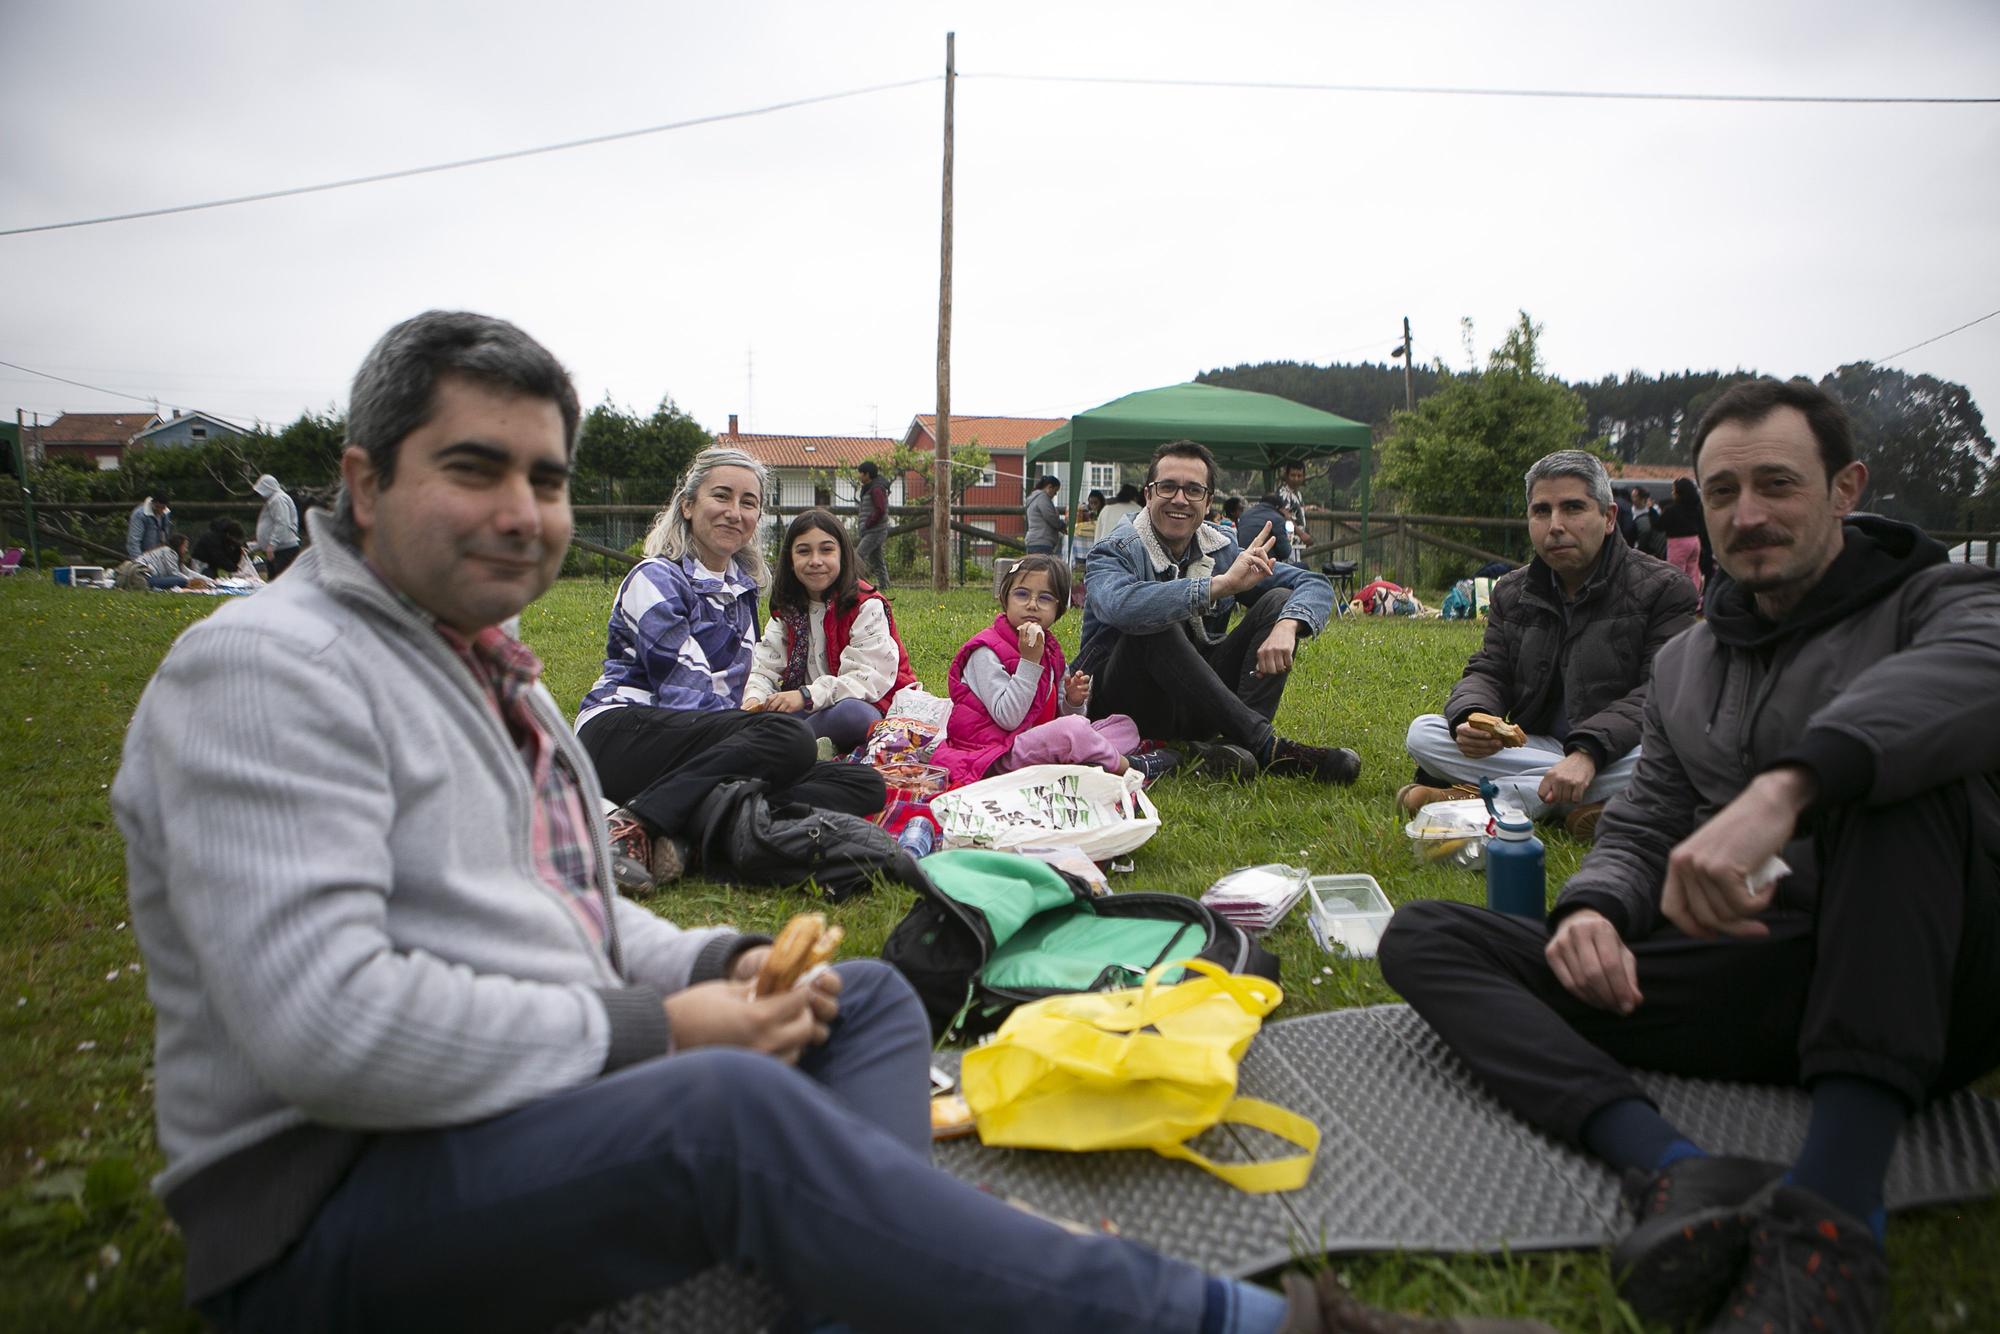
point(507, 156)
point(1432, 90)
point(1883, 361)
point(155, 401)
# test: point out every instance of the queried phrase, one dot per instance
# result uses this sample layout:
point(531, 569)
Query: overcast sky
point(1109, 237)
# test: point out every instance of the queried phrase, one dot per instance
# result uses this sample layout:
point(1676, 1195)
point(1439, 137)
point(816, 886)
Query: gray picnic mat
point(1413, 1155)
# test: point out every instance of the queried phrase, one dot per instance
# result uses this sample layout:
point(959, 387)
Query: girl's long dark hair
point(788, 594)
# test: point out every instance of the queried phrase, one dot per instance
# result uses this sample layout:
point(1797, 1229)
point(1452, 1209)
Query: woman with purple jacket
point(664, 724)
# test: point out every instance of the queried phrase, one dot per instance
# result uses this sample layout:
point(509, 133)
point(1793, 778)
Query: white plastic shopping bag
point(1102, 815)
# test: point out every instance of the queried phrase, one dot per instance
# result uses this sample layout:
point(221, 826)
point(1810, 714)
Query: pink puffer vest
point(972, 740)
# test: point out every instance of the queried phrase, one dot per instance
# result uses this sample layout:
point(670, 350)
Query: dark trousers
point(660, 763)
point(1894, 976)
point(1174, 688)
point(281, 560)
point(817, 1178)
point(874, 564)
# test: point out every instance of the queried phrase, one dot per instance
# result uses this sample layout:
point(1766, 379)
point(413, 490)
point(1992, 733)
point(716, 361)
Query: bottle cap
point(1514, 826)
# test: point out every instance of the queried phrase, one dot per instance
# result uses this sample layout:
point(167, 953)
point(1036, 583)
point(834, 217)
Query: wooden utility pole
point(941, 467)
point(1409, 377)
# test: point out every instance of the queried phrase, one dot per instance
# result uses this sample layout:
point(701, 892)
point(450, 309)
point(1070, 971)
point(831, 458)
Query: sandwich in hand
point(805, 943)
point(1509, 733)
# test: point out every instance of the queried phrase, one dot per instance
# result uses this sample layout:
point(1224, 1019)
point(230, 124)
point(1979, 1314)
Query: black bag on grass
point(993, 929)
point(742, 838)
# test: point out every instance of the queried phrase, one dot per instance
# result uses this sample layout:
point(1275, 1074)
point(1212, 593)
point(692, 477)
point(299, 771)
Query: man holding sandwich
point(1549, 707)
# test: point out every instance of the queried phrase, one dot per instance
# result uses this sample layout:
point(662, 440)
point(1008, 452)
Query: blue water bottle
point(1516, 879)
point(917, 838)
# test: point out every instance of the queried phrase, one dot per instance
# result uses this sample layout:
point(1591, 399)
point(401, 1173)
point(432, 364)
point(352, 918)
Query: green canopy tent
point(1243, 429)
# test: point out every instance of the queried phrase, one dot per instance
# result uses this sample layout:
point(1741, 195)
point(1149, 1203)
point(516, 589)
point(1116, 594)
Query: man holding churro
point(1550, 706)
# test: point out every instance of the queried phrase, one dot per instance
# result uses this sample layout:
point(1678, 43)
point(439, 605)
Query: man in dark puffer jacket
point(1569, 644)
point(1837, 707)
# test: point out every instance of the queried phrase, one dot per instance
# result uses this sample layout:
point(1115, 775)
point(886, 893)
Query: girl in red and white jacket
point(831, 653)
point(1012, 705)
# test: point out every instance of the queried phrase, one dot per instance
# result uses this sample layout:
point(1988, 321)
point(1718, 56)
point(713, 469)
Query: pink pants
point(1684, 554)
point(1073, 739)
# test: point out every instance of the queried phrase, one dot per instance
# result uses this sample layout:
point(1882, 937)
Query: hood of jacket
point(1878, 554)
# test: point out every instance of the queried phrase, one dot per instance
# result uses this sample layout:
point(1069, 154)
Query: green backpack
point(993, 929)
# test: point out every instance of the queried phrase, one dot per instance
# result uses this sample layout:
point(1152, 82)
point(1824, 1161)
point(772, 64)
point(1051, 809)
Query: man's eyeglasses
point(1167, 490)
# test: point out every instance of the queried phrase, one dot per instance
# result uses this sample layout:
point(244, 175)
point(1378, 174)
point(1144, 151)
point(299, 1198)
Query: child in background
point(830, 653)
point(1012, 704)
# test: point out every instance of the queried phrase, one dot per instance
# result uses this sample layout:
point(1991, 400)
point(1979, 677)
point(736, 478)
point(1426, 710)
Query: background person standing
point(277, 525)
point(873, 522)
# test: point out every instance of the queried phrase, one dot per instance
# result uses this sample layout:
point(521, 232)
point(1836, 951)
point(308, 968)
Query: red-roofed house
point(98, 436)
point(1005, 439)
point(799, 463)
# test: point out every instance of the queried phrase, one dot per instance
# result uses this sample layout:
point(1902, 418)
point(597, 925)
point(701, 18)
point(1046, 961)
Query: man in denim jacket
point(1156, 634)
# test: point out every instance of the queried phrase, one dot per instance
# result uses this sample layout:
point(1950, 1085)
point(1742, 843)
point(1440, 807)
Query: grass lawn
point(84, 1246)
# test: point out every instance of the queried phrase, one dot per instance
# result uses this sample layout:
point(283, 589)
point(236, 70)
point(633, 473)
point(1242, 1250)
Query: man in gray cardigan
point(1835, 708)
point(1569, 645)
point(417, 1066)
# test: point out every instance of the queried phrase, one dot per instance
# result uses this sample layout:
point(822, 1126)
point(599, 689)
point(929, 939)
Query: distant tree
point(1465, 448)
point(967, 462)
point(1923, 439)
point(1364, 392)
point(618, 445)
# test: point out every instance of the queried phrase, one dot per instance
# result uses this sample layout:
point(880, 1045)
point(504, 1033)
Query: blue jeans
point(162, 582)
point(818, 1178)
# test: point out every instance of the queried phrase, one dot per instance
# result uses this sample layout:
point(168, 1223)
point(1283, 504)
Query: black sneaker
point(1153, 765)
point(1811, 1266)
point(1220, 759)
point(1323, 764)
point(1691, 1225)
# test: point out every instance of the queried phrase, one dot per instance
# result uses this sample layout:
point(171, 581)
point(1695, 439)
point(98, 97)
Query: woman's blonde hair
point(671, 537)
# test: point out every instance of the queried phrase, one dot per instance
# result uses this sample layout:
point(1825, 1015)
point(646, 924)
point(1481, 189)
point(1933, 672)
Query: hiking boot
point(1811, 1267)
point(1581, 823)
point(631, 854)
point(672, 858)
point(1691, 1222)
point(1220, 759)
point(1153, 765)
point(1324, 764)
point(1323, 1306)
point(1413, 797)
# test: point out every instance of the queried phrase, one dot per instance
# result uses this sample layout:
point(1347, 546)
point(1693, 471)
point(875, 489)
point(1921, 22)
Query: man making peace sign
point(1156, 634)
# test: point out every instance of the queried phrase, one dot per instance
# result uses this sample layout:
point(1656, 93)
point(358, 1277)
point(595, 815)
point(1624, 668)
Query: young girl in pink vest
point(831, 653)
point(1013, 706)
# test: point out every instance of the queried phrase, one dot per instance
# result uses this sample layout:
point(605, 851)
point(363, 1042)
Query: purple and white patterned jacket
point(679, 638)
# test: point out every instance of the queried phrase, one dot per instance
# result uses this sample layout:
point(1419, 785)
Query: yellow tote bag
point(1145, 1068)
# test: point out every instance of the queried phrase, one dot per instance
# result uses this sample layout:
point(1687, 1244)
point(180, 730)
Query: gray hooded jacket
point(1883, 682)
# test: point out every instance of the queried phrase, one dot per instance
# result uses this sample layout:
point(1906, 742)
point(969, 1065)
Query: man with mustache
point(1569, 644)
point(1836, 708)
point(1156, 634)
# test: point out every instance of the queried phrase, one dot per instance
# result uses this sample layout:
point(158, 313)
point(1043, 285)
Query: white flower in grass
point(108, 1256)
point(86, 1046)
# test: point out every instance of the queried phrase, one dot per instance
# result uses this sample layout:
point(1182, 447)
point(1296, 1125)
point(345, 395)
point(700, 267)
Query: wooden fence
point(1394, 547)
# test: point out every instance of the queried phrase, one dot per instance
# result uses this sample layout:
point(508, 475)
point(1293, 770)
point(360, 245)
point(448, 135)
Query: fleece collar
point(1208, 539)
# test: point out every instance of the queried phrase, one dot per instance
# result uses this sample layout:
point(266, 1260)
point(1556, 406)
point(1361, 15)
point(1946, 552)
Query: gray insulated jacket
point(1630, 607)
point(1884, 682)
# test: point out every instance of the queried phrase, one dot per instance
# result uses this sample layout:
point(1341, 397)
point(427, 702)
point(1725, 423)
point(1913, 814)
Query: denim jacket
point(1136, 589)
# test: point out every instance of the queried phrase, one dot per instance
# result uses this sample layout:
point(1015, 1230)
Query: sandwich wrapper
point(1257, 898)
